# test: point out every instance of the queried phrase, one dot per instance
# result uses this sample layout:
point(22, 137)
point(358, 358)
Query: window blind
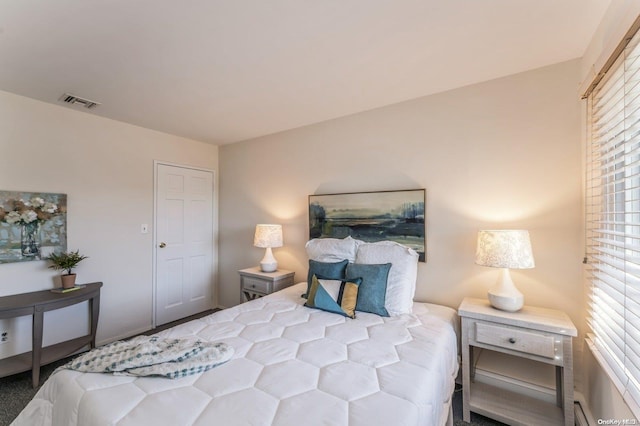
point(612, 213)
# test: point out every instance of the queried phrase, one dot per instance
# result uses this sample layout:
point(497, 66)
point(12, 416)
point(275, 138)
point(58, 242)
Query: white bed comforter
point(292, 366)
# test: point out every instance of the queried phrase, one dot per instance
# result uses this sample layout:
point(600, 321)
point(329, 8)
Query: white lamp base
point(268, 262)
point(504, 295)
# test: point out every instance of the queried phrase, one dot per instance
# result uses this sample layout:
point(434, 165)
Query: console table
point(36, 304)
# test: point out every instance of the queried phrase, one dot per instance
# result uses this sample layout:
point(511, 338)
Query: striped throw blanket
point(153, 356)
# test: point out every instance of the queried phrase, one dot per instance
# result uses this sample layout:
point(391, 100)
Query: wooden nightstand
point(255, 283)
point(542, 335)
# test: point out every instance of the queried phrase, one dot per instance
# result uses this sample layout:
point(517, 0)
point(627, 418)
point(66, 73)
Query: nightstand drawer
point(533, 343)
point(255, 284)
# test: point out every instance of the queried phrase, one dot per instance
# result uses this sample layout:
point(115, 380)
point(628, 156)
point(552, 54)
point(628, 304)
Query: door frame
point(214, 238)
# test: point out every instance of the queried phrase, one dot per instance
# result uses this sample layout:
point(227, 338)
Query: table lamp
point(268, 236)
point(506, 249)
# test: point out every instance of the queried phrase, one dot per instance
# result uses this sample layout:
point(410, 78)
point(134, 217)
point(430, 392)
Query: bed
point(292, 364)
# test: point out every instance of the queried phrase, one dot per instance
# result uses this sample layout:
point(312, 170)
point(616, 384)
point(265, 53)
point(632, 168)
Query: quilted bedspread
point(292, 365)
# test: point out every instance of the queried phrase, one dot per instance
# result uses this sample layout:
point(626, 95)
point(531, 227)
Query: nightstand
point(542, 335)
point(254, 283)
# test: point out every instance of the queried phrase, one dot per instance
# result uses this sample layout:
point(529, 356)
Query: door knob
point(163, 245)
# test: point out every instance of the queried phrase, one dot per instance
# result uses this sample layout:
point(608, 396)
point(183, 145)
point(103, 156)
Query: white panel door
point(184, 242)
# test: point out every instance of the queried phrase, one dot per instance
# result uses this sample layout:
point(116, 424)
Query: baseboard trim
point(123, 336)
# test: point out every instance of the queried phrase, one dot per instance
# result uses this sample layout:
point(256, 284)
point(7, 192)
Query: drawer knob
point(512, 340)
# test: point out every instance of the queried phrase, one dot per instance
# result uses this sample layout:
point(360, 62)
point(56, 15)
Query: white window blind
point(613, 221)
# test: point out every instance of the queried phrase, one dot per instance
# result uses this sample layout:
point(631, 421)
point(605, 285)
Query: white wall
point(106, 169)
point(501, 154)
point(603, 398)
point(615, 24)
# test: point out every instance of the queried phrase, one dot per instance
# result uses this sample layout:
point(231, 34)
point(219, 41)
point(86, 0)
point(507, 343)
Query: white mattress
point(292, 366)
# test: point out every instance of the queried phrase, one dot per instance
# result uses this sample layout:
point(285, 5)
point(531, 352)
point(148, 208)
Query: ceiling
point(221, 71)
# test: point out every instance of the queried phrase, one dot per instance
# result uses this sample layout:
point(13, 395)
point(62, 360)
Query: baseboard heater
point(580, 416)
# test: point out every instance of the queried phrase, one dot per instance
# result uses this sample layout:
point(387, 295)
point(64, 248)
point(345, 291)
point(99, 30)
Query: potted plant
point(66, 262)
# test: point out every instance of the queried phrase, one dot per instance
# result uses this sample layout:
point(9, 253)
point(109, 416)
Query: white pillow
point(401, 284)
point(332, 249)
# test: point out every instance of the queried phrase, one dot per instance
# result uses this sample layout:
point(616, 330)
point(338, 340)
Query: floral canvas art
point(32, 225)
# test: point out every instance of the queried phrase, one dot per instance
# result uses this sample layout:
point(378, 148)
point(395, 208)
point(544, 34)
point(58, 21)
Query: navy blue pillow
point(373, 289)
point(328, 271)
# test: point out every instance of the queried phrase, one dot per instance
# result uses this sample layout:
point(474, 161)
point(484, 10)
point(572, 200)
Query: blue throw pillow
point(329, 271)
point(336, 296)
point(372, 292)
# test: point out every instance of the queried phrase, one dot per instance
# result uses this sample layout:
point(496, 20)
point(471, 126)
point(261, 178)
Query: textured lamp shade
point(268, 236)
point(506, 249)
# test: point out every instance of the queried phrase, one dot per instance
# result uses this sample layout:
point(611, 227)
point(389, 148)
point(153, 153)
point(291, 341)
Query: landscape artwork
point(371, 216)
point(32, 225)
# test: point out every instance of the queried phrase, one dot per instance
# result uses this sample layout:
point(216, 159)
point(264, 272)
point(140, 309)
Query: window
point(613, 221)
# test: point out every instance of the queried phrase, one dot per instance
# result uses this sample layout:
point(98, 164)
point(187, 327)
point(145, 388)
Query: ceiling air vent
point(75, 100)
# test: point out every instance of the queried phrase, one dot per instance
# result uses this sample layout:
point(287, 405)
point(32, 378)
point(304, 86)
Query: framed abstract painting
point(371, 216)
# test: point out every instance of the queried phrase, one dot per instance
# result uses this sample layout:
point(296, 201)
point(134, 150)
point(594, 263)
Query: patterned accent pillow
point(373, 289)
point(326, 270)
point(336, 296)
